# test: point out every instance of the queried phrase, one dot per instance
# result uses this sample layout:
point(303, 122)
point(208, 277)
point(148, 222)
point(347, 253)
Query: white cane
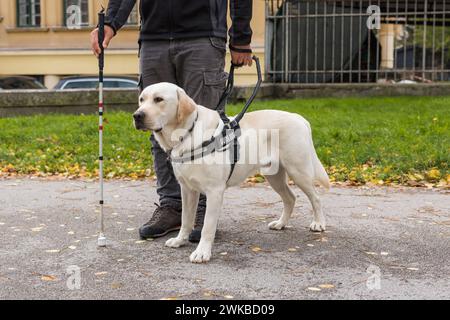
point(101, 242)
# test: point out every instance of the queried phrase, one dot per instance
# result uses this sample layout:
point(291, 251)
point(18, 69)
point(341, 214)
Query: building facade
point(49, 39)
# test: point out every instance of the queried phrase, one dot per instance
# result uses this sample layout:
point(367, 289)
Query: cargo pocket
point(215, 79)
point(214, 85)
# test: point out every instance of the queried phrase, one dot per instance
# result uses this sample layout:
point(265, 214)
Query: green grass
point(357, 139)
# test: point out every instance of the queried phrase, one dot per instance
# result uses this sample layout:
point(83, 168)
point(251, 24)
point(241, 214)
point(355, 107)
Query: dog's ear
point(185, 106)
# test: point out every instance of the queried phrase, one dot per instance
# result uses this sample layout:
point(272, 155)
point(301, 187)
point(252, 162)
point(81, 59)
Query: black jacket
point(177, 19)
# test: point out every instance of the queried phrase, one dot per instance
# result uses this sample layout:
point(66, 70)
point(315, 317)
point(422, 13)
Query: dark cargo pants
point(197, 66)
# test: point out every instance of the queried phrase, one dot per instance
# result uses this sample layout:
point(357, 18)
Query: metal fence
point(355, 41)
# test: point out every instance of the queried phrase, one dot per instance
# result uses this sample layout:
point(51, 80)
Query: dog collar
point(181, 139)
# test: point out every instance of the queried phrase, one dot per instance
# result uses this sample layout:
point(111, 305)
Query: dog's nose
point(138, 116)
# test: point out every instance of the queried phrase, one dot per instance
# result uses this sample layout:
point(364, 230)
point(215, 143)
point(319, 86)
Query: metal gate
point(357, 41)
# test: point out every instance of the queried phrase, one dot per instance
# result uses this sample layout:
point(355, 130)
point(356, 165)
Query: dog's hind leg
point(279, 183)
point(306, 184)
point(189, 205)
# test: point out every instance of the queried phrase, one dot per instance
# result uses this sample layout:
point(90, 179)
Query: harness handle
point(223, 99)
point(255, 91)
point(229, 88)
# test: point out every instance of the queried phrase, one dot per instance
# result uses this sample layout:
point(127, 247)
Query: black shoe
point(196, 233)
point(164, 220)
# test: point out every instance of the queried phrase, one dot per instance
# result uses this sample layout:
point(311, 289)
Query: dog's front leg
point(189, 203)
point(213, 208)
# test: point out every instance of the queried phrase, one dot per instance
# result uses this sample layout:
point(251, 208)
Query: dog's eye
point(141, 100)
point(158, 99)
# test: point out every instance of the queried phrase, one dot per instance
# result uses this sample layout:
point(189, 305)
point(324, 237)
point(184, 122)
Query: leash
point(231, 130)
point(101, 241)
point(230, 84)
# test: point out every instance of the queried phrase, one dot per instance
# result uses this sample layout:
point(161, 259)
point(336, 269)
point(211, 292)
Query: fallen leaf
point(223, 253)
point(131, 229)
point(326, 286)
point(52, 251)
point(292, 249)
point(434, 174)
point(101, 273)
point(314, 289)
point(116, 285)
point(46, 277)
point(256, 249)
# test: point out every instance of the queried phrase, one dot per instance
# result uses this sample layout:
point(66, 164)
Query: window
point(28, 13)
point(133, 19)
point(86, 84)
point(76, 13)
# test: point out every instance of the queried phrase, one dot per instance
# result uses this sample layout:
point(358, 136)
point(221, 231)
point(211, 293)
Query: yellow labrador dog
point(180, 126)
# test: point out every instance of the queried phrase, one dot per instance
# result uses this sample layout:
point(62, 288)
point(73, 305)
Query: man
point(182, 42)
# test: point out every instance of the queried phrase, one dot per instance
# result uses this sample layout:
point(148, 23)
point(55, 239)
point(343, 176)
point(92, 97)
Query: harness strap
point(217, 143)
point(231, 130)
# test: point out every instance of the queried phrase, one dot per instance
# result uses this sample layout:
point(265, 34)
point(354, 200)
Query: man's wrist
point(240, 48)
point(111, 26)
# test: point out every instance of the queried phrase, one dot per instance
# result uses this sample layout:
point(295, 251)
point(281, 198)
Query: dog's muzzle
point(139, 122)
point(139, 117)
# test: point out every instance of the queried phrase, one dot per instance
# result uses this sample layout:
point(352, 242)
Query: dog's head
point(160, 105)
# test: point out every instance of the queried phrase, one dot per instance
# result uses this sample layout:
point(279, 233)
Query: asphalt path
point(381, 243)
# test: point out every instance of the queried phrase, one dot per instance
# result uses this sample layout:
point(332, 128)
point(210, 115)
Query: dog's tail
point(319, 172)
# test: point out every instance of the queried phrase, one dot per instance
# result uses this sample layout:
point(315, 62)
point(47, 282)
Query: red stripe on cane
point(100, 128)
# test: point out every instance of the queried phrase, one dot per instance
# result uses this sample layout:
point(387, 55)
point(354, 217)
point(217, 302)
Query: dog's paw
point(317, 226)
point(200, 256)
point(277, 225)
point(175, 242)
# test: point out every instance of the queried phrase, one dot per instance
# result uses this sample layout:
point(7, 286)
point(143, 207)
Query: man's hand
point(240, 58)
point(109, 34)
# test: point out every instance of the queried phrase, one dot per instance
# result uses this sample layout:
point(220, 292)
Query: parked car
point(92, 82)
point(20, 83)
